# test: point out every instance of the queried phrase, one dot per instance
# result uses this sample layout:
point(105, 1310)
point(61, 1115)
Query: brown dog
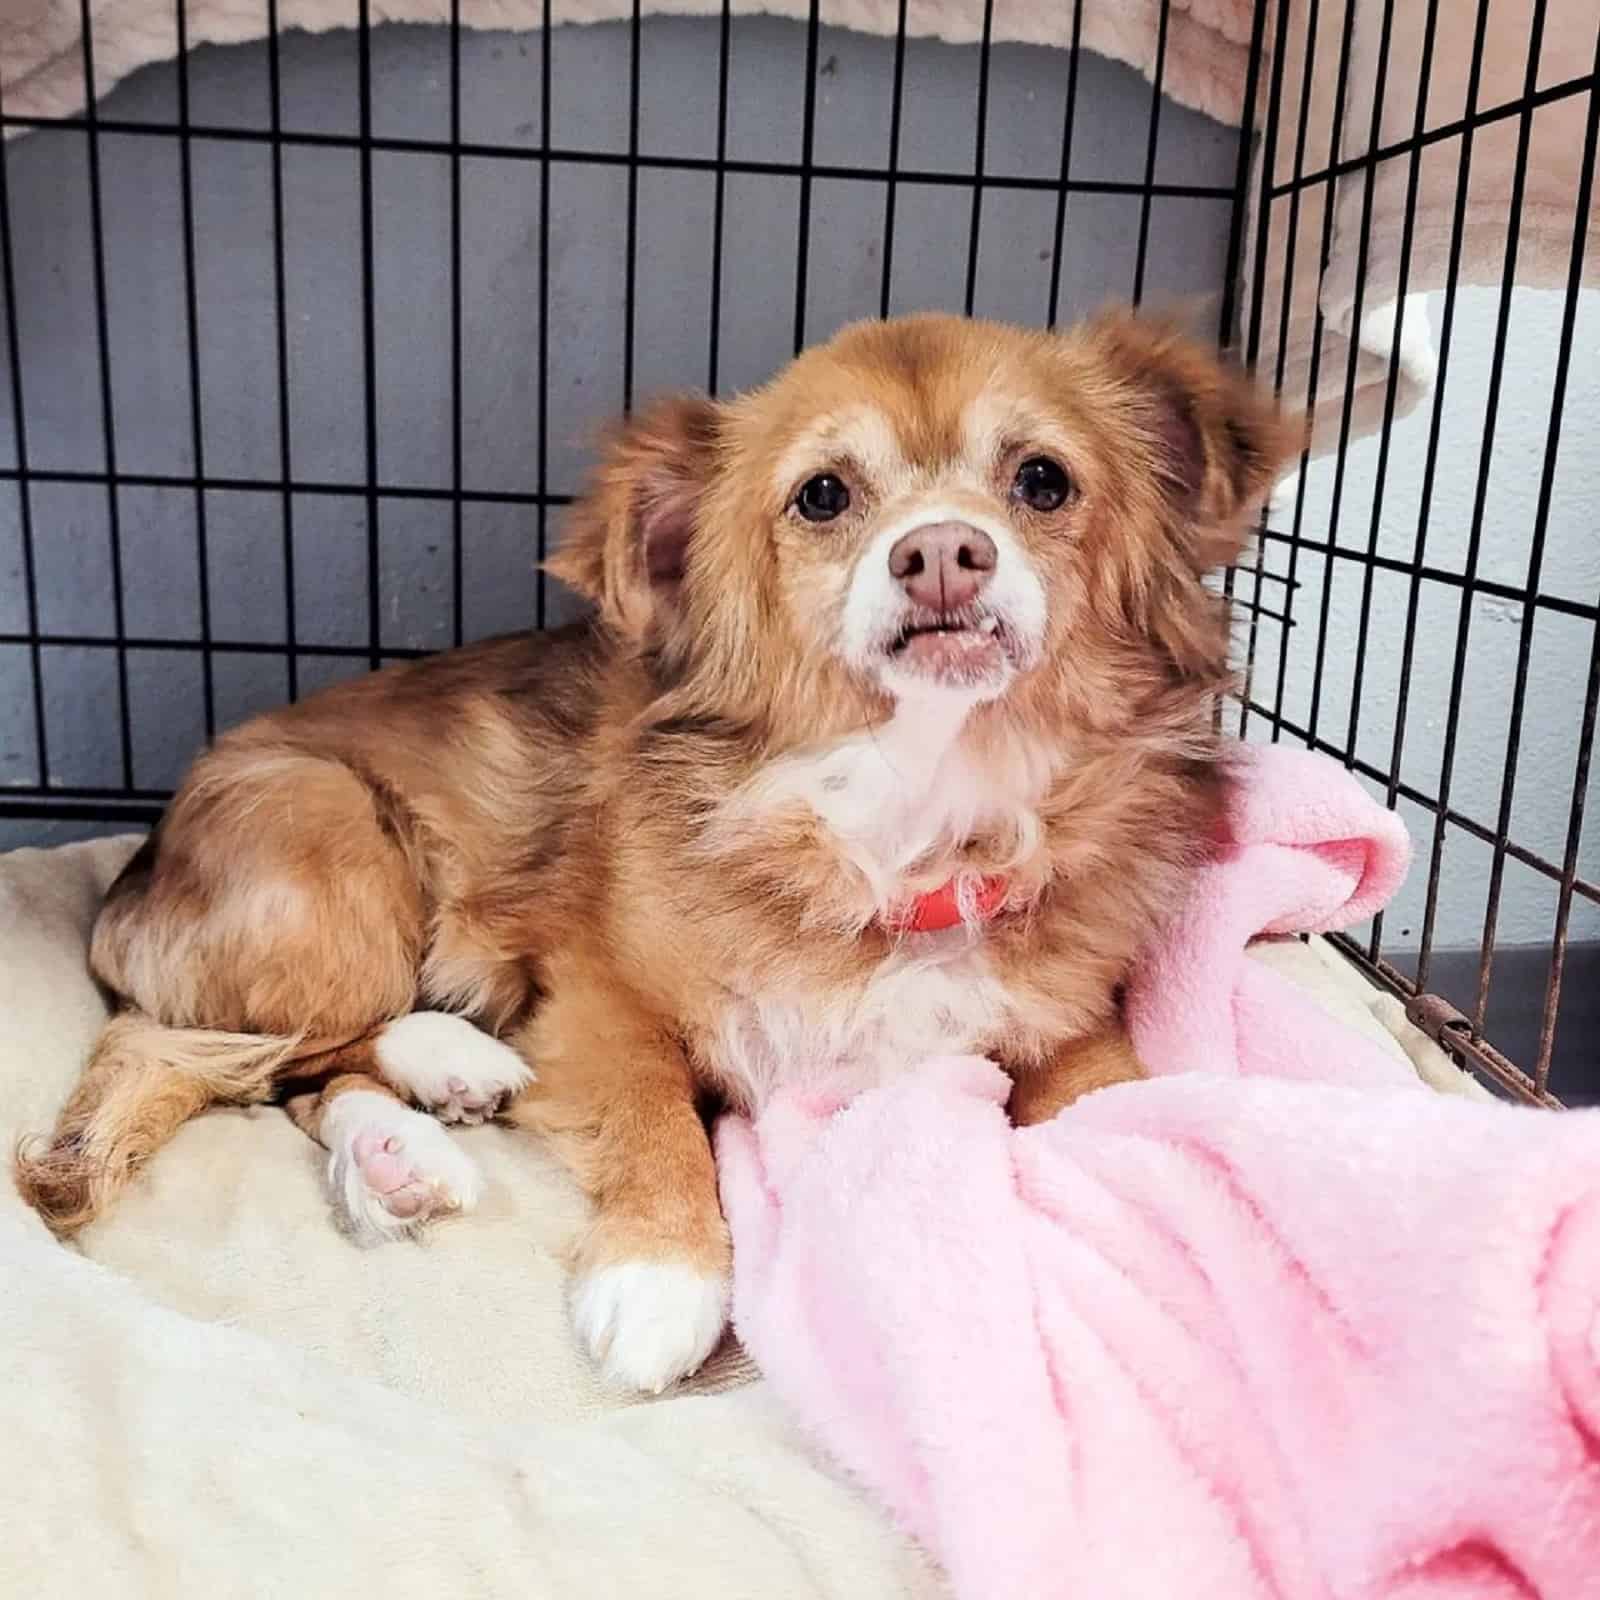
point(893, 736)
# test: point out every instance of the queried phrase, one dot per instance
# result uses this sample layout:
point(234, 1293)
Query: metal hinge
point(1451, 1029)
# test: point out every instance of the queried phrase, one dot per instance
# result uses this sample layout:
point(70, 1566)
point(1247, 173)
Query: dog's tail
point(142, 1083)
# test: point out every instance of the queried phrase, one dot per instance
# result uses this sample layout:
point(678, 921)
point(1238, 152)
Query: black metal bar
point(1458, 670)
point(1569, 868)
point(19, 422)
point(1065, 184)
point(197, 444)
point(631, 248)
point(369, 344)
point(1256, 611)
point(1352, 359)
point(457, 438)
point(108, 424)
point(1417, 566)
point(1263, 239)
point(280, 300)
point(1252, 605)
point(808, 138)
point(246, 647)
point(1558, 604)
point(92, 641)
point(1146, 198)
point(720, 197)
point(546, 51)
point(1241, 173)
point(896, 107)
point(1264, 576)
point(1314, 366)
point(392, 491)
point(1541, 525)
point(103, 808)
point(1269, 156)
point(979, 140)
point(656, 161)
point(1390, 394)
point(1444, 131)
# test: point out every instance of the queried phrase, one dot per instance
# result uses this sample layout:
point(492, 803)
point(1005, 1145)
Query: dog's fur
point(660, 853)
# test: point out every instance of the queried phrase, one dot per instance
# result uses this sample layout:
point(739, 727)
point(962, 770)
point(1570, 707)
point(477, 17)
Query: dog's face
point(918, 504)
point(939, 510)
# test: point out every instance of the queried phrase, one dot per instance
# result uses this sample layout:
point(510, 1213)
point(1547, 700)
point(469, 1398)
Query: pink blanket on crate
point(1276, 1325)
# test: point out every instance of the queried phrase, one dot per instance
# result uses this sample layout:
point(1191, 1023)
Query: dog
point(891, 734)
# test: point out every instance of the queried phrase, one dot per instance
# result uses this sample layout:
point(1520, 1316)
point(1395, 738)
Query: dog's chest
point(897, 801)
point(908, 1010)
point(897, 798)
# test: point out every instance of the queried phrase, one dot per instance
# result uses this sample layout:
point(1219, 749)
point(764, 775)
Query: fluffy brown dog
point(893, 735)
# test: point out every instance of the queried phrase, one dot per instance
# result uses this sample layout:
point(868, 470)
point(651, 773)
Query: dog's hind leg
point(390, 1168)
point(276, 914)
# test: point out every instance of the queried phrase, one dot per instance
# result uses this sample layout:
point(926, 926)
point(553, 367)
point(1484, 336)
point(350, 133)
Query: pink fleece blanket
point(1278, 1323)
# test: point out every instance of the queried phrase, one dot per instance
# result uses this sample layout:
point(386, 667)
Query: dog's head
point(937, 509)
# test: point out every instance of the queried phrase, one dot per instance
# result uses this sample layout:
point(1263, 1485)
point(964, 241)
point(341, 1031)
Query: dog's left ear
point(627, 539)
point(1217, 440)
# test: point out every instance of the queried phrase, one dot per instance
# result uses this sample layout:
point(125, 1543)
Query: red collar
point(940, 908)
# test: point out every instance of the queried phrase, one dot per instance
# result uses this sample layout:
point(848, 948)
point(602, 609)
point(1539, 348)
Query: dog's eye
point(822, 498)
point(1041, 484)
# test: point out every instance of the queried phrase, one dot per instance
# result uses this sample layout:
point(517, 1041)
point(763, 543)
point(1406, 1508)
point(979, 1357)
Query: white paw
point(649, 1323)
point(392, 1168)
point(454, 1069)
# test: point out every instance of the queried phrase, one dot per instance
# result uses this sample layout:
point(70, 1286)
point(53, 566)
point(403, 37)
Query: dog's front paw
point(649, 1323)
point(392, 1169)
point(449, 1067)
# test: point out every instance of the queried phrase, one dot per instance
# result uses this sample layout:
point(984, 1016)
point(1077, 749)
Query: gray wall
point(500, 277)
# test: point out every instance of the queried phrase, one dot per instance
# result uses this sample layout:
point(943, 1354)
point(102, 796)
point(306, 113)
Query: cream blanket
point(220, 1395)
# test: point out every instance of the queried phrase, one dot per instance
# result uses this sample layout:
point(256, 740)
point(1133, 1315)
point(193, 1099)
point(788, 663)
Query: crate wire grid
point(1277, 209)
point(128, 800)
point(1462, 1031)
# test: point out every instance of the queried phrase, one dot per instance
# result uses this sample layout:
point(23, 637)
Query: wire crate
point(233, 470)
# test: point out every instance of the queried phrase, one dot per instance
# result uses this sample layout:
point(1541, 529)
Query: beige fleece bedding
point(41, 49)
point(220, 1395)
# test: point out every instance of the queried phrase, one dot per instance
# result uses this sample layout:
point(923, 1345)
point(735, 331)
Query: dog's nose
point(944, 565)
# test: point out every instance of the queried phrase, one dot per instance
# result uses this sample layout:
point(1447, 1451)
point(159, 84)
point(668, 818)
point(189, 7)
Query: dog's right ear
point(627, 540)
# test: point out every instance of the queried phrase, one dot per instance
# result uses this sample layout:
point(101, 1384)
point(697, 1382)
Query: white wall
point(1561, 645)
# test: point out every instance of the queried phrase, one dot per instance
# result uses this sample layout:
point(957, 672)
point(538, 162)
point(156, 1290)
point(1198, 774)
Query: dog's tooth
point(989, 624)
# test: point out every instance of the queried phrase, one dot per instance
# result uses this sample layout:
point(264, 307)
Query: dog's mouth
point(965, 646)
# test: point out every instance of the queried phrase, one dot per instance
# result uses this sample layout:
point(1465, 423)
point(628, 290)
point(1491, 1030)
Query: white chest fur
point(896, 798)
point(913, 1007)
point(906, 792)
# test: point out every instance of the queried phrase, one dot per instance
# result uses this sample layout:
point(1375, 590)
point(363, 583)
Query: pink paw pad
point(467, 1104)
point(392, 1168)
point(388, 1172)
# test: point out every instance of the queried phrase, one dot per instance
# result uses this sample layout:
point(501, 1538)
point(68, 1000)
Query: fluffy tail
point(142, 1083)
